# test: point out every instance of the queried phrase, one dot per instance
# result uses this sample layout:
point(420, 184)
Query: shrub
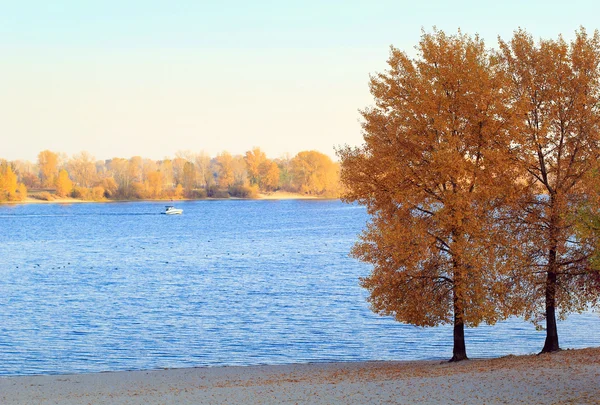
point(43, 196)
point(97, 193)
point(198, 193)
point(220, 194)
point(244, 191)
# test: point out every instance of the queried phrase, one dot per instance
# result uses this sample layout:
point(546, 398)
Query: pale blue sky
point(118, 78)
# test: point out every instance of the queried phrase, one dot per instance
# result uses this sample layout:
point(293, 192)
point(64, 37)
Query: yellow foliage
point(64, 185)
point(44, 196)
point(48, 164)
point(254, 159)
point(314, 173)
point(110, 186)
point(225, 170)
point(22, 191)
point(155, 184)
point(98, 193)
point(178, 193)
point(436, 251)
point(269, 175)
point(10, 188)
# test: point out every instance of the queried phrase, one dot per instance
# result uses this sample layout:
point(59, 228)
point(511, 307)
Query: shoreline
point(568, 376)
point(271, 196)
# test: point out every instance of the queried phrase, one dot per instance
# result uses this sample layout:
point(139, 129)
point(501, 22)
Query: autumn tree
point(166, 169)
point(269, 175)
point(224, 168)
point(555, 86)
point(314, 173)
point(26, 172)
point(63, 184)
point(120, 170)
point(189, 177)
point(202, 165)
point(433, 174)
point(135, 169)
point(178, 165)
point(10, 188)
point(285, 177)
point(261, 171)
point(239, 169)
point(110, 186)
point(48, 164)
point(31, 180)
point(82, 169)
point(254, 159)
point(154, 181)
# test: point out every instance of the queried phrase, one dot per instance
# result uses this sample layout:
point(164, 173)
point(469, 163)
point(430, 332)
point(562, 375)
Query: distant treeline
point(188, 175)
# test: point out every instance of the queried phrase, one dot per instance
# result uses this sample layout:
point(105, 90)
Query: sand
point(284, 195)
point(567, 377)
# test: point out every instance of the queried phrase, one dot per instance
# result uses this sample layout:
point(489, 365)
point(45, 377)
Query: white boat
point(170, 210)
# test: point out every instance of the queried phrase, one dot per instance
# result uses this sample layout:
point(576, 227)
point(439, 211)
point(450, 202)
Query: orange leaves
point(199, 176)
point(314, 173)
point(556, 88)
point(261, 170)
point(10, 188)
point(473, 168)
point(433, 173)
point(48, 164)
point(64, 185)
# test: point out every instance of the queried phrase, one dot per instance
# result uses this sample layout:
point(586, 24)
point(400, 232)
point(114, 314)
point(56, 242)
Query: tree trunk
point(459, 352)
point(551, 344)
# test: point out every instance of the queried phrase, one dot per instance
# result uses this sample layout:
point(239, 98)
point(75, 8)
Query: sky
point(151, 78)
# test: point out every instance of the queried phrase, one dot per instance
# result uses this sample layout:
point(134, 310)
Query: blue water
point(98, 287)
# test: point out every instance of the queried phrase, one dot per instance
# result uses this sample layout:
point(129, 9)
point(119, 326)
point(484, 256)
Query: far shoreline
point(275, 196)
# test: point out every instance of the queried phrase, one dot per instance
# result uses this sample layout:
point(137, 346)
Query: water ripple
point(99, 287)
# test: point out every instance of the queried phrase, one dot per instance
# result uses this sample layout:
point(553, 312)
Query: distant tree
point(434, 173)
point(189, 178)
point(314, 173)
point(136, 169)
point(63, 184)
point(31, 180)
point(269, 175)
point(556, 88)
point(240, 172)
point(10, 188)
point(178, 165)
point(48, 164)
point(178, 192)
point(254, 159)
point(262, 171)
point(25, 171)
point(148, 166)
point(224, 170)
point(82, 169)
point(98, 193)
point(9, 183)
point(110, 187)
point(202, 165)
point(166, 170)
point(285, 177)
point(101, 169)
point(155, 184)
point(21, 191)
point(122, 175)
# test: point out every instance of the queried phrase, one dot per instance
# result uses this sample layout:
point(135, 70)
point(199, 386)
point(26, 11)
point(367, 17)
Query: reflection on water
point(96, 287)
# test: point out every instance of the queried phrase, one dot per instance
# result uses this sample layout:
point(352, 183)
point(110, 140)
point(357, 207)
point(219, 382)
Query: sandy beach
point(566, 377)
